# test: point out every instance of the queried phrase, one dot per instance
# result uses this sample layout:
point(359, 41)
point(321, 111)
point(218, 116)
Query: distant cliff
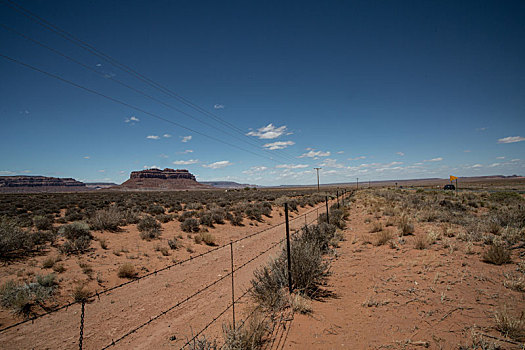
point(22, 183)
point(161, 180)
point(167, 173)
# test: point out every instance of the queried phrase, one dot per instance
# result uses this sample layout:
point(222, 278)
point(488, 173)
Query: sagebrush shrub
point(14, 241)
point(190, 225)
point(107, 219)
point(42, 222)
point(149, 228)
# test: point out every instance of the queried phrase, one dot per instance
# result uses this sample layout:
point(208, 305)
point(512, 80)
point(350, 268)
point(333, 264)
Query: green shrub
point(190, 225)
point(21, 298)
point(107, 219)
point(42, 222)
point(14, 241)
point(149, 228)
point(75, 230)
point(155, 210)
point(78, 237)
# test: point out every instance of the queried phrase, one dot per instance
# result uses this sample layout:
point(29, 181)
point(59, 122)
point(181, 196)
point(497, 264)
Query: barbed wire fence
point(338, 199)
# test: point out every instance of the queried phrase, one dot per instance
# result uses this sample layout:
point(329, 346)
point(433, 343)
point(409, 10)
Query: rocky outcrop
point(167, 173)
point(161, 180)
point(39, 184)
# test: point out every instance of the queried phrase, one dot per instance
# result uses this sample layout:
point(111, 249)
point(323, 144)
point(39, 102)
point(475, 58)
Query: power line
point(86, 46)
point(153, 115)
point(125, 85)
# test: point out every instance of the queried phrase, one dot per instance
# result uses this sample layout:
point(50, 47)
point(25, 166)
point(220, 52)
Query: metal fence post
point(81, 337)
point(288, 248)
point(327, 215)
point(233, 287)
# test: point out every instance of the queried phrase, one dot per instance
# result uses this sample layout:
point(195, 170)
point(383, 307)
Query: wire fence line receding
point(123, 312)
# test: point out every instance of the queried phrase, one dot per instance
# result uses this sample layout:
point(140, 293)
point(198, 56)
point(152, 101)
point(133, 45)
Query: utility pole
point(357, 184)
point(318, 178)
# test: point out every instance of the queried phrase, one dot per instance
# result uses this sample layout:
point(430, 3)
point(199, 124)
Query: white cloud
point(500, 157)
point(153, 137)
point(102, 171)
point(357, 158)
point(494, 165)
point(315, 154)
point(254, 169)
point(291, 166)
point(151, 167)
point(400, 154)
point(87, 157)
point(481, 129)
point(278, 145)
point(132, 120)
point(6, 172)
point(186, 151)
point(340, 152)
point(515, 160)
point(218, 106)
point(186, 162)
point(166, 136)
point(331, 163)
point(217, 165)
point(477, 166)
point(165, 156)
point(268, 132)
point(511, 139)
point(186, 138)
point(438, 159)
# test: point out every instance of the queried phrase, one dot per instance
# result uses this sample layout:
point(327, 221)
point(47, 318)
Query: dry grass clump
point(300, 304)
point(249, 335)
point(510, 325)
point(81, 293)
point(421, 242)
point(163, 250)
point(127, 270)
point(515, 281)
point(174, 243)
point(202, 344)
point(405, 226)
point(383, 237)
point(377, 226)
point(208, 238)
point(49, 262)
point(497, 254)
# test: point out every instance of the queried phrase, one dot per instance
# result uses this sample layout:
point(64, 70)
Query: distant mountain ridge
point(25, 183)
point(226, 184)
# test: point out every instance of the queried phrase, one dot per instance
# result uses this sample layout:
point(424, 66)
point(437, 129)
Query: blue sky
point(368, 89)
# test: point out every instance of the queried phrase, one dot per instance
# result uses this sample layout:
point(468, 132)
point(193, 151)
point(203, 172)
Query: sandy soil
point(114, 314)
point(405, 298)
